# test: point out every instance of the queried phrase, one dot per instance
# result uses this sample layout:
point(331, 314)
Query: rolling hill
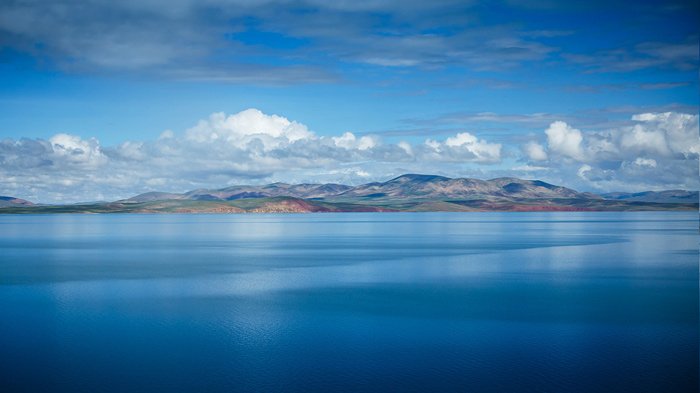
point(410, 192)
point(7, 201)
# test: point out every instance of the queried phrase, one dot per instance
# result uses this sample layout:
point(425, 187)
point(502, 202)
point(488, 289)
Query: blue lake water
point(502, 302)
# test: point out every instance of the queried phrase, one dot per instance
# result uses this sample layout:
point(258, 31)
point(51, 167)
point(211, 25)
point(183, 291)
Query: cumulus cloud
point(656, 134)
point(406, 147)
point(247, 126)
point(464, 147)
point(565, 140)
point(654, 151)
point(245, 147)
point(534, 151)
point(641, 139)
point(679, 130)
point(72, 150)
point(349, 141)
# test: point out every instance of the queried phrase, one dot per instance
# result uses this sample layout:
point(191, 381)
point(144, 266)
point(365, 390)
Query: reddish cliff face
point(288, 206)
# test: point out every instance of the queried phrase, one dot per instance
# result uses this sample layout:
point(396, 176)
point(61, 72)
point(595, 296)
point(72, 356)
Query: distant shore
point(300, 205)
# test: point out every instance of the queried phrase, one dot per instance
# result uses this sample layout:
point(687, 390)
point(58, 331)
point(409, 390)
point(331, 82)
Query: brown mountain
point(404, 193)
point(304, 191)
point(413, 186)
point(409, 186)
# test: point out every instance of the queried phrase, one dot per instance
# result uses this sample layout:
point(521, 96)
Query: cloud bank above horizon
point(652, 151)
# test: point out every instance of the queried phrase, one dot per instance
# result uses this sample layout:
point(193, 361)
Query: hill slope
point(7, 201)
point(411, 192)
point(413, 186)
point(409, 186)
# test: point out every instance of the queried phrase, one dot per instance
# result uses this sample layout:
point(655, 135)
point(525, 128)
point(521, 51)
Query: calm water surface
point(503, 302)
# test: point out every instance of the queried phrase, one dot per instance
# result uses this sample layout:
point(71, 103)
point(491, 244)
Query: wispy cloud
point(277, 41)
point(606, 87)
point(666, 55)
point(186, 37)
point(514, 123)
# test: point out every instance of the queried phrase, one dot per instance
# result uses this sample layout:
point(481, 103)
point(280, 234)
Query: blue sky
point(460, 88)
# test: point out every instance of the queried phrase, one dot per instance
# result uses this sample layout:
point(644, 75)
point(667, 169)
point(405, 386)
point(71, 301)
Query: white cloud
point(74, 150)
point(461, 139)
point(641, 139)
point(434, 145)
point(565, 140)
point(246, 147)
point(535, 152)
point(529, 168)
point(653, 134)
point(467, 147)
point(653, 151)
point(349, 141)
point(133, 150)
point(254, 147)
point(346, 141)
point(406, 147)
point(251, 124)
point(679, 130)
point(583, 170)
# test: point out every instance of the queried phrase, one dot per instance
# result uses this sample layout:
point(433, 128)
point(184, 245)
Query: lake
point(426, 302)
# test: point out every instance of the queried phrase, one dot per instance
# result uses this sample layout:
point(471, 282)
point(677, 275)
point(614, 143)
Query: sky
point(103, 100)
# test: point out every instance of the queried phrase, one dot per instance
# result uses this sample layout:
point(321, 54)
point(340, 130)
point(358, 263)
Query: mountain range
point(403, 187)
point(410, 192)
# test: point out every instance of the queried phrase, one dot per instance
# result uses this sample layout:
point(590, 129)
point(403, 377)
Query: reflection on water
point(353, 302)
